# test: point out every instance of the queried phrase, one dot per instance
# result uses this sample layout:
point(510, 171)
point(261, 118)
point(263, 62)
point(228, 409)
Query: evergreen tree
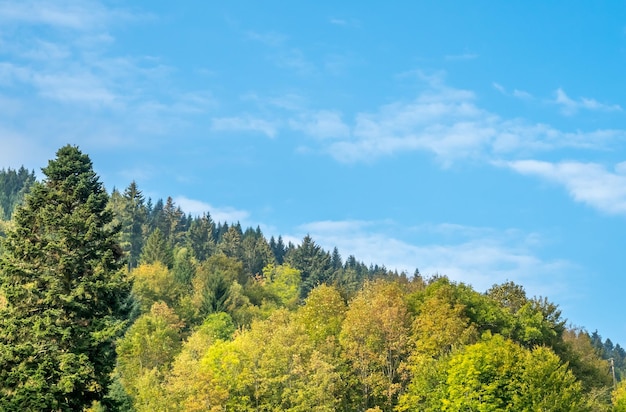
point(157, 250)
point(184, 268)
point(135, 214)
point(335, 259)
point(256, 252)
point(156, 217)
point(14, 185)
point(313, 262)
point(200, 237)
point(230, 244)
point(64, 297)
point(278, 248)
point(174, 222)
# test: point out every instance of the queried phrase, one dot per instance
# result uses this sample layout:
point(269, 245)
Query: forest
point(113, 302)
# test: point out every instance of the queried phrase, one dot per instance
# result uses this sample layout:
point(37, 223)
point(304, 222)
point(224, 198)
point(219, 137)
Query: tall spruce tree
point(135, 214)
point(63, 297)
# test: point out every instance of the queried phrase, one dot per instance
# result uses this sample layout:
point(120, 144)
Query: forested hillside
point(14, 185)
point(221, 318)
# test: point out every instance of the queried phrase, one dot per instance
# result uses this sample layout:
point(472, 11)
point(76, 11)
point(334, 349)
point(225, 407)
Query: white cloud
point(281, 53)
point(448, 123)
point(499, 87)
point(272, 39)
point(46, 51)
point(338, 22)
point(570, 106)
point(218, 214)
point(442, 120)
point(462, 56)
point(475, 255)
point(74, 88)
point(521, 94)
point(107, 100)
point(322, 124)
point(588, 183)
point(70, 14)
point(244, 124)
point(294, 59)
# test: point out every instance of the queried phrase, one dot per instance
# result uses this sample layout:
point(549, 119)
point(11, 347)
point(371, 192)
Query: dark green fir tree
point(63, 295)
point(157, 249)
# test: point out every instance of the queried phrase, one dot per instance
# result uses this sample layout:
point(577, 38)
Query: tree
point(154, 282)
point(200, 237)
point(14, 185)
point(173, 225)
point(322, 315)
point(441, 325)
point(278, 249)
point(150, 344)
point(157, 250)
point(283, 282)
point(135, 216)
point(256, 252)
point(270, 367)
point(312, 262)
point(500, 375)
point(65, 297)
point(619, 397)
point(184, 268)
point(375, 339)
point(509, 295)
point(186, 385)
point(230, 244)
point(212, 283)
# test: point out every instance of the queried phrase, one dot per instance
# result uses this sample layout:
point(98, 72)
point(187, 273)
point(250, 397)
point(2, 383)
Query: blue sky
point(481, 140)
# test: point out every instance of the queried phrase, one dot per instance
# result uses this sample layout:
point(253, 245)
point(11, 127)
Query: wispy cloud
point(323, 124)
point(218, 214)
point(570, 106)
point(445, 121)
point(499, 87)
point(338, 21)
point(271, 38)
point(294, 59)
point(244, 124)
point(344, 22)
point(461, 56)
point(475, 255)
point(281, 53)
point(84, 15)
point(61, 65)
point(519, 94)
point(448, 123)
point(588, 183)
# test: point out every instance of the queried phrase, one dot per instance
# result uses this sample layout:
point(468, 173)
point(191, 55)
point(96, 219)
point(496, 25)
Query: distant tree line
point(14, 185)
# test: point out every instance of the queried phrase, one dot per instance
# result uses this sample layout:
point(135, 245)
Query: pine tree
point(64, 297)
